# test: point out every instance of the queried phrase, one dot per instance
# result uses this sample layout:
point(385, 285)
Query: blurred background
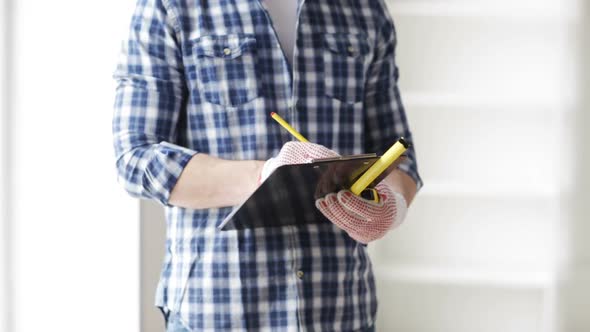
point(497, 240)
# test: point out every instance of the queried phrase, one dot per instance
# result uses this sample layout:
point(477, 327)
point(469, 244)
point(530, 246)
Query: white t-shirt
point(284, 19)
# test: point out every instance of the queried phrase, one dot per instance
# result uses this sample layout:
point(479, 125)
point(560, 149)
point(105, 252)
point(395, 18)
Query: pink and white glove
point(364, 220)
point(295, 153)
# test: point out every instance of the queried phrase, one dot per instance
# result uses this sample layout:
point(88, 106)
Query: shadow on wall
point(581, 178)
point(153, 239)
point(573, 292)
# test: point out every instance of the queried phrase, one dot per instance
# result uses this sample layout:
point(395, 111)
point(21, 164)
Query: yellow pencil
point(379, 166)
point(287, 126)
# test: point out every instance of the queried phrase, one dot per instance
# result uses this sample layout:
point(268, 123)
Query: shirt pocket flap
point(227, 46)
point(347, 44)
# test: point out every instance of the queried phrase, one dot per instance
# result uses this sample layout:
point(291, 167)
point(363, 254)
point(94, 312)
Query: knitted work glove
point(364, 220)
point(295, 153)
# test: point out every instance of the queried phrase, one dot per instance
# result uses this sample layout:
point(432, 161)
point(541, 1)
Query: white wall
point(75, 235)
point(489, 88)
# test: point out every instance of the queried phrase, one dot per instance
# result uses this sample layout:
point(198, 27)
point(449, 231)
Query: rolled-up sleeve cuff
point(409, 167)
point(164, 170)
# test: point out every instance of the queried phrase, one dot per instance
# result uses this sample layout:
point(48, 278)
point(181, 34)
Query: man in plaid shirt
point(196, 83)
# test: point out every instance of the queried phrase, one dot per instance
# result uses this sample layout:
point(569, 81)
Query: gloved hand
point(295, 153)
point(364, 220)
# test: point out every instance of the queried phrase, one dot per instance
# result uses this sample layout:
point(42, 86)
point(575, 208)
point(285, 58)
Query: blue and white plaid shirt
point(202, 77)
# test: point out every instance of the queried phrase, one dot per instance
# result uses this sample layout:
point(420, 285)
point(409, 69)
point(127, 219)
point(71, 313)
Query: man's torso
point(309, 277)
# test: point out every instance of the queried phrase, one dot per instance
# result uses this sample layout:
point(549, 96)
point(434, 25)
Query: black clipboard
point(288, 195)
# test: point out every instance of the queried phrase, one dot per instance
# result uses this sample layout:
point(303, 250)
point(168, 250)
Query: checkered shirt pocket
point(226, 69)
point(345, 66)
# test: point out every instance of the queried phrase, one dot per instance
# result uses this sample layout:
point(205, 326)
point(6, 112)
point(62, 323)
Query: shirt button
point(300, 274)
point(226, 51)
point(351, 49)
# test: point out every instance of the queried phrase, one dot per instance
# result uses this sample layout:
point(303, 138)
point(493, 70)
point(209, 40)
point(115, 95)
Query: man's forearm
point(402, 183)
point(209, 182)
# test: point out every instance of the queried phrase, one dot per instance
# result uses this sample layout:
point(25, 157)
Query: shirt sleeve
point(150, 97)
point(385, 116)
